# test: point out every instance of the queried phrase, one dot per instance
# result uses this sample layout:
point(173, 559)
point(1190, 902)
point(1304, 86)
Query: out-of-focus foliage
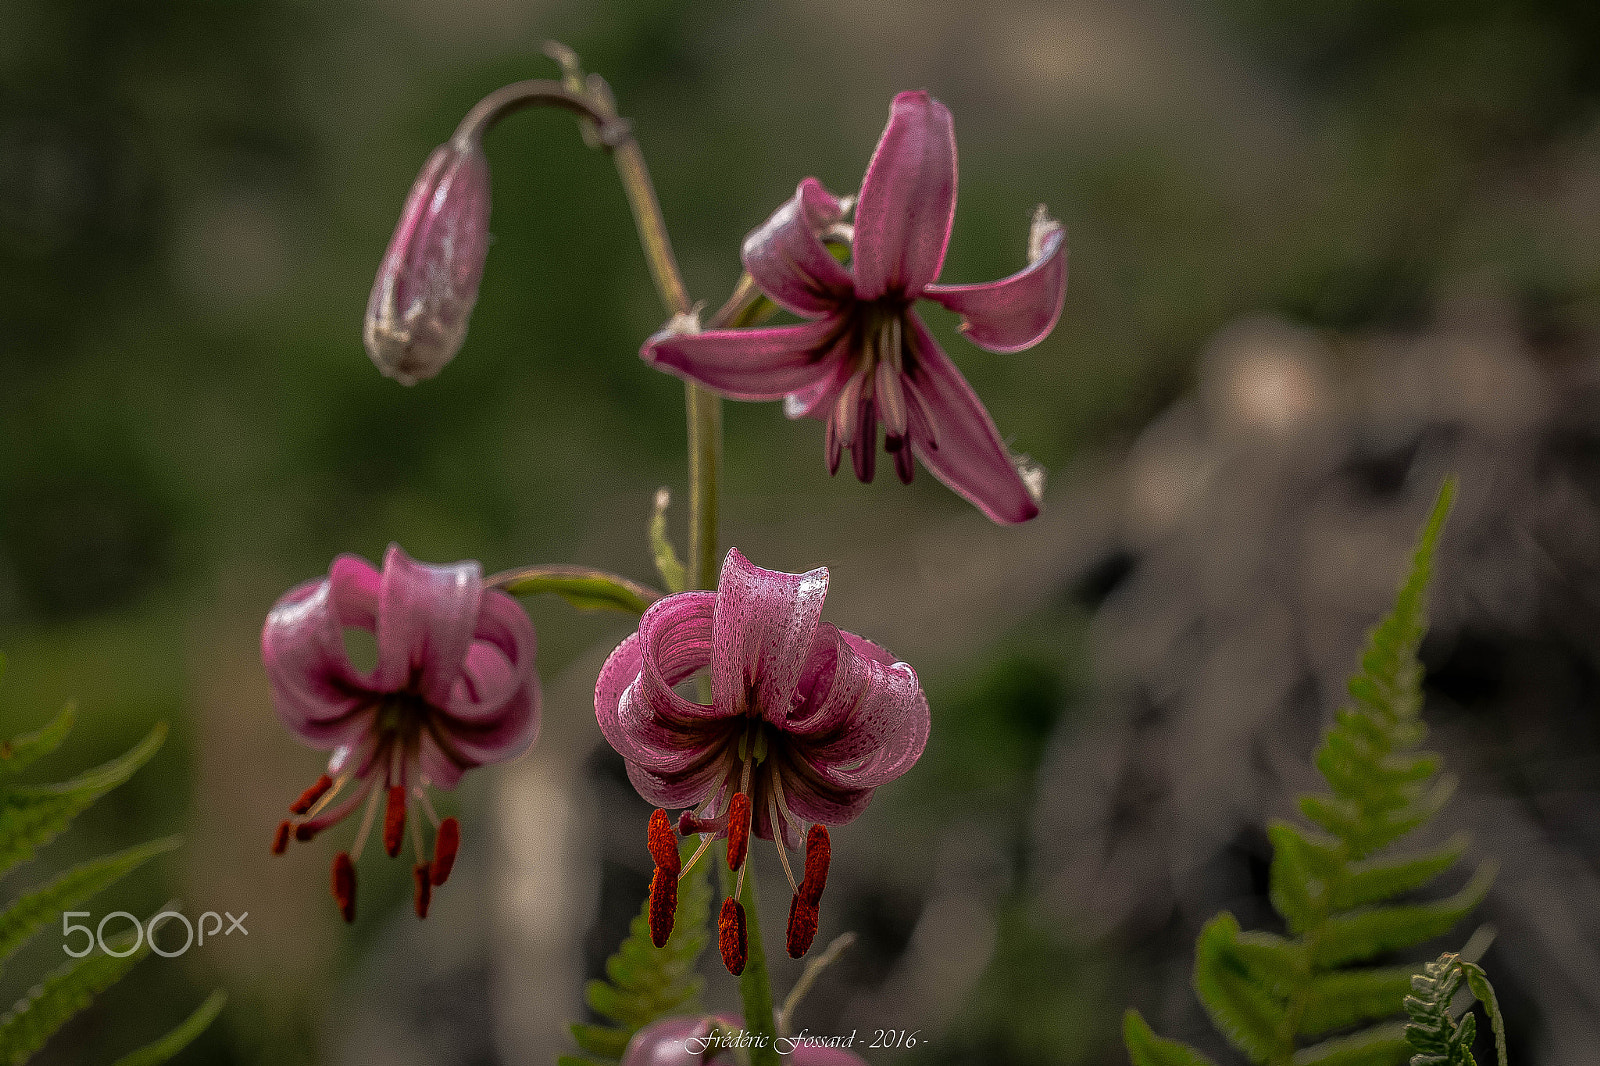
point(644, 982)
point(31, 816)
point(1336, 889)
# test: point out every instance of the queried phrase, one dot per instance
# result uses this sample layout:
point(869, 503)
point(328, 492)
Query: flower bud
point(428, 282)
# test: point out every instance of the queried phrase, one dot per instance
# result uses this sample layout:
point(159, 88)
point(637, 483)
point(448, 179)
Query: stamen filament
point(706, 840)
point(427, 805)
point(777, 838)
point(366, 827)
point(327, 797)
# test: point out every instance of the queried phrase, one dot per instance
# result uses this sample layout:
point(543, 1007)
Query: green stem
point(755, 986)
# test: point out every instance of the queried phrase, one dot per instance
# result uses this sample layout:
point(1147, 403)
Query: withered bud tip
point(731, 936)
point(445, 844)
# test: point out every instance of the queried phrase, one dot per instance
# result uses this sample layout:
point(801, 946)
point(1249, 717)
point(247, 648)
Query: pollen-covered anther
point(738, 830)
point(663, 905)
point(309, 797)
point(307, 831)
point(280, 838)
point(731, 936)
point(664, 843)
point(424, 884)
point(394, 821)
point(344, 885)
point(802, 926)
point(445, 844)
point(819, 852)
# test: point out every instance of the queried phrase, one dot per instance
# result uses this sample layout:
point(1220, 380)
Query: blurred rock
point(1267, 518)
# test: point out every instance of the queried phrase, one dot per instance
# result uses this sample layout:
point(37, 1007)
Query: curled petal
point(865, 723)
point(1013, 313)
point(315, 690)
point(493, 711)
point(748, 364)
point(962, 446)
point(426, 618)
point(908, 200)
point(787, 259)
point(762, 634)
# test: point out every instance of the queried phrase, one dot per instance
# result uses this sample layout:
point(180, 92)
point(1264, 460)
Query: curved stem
point(755, 985)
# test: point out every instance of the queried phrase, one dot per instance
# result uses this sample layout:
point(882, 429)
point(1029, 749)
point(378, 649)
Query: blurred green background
point(194, 195)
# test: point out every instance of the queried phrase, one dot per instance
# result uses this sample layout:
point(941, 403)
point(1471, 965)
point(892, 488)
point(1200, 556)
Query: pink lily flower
point(694, 1041)
point(454, 687)
point(864, 357)
point(805, 721)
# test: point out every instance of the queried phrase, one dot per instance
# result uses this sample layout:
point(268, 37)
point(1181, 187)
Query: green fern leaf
point(19, 753)
point(1337, 886)
point(62, 994)
point(1381, 1045)
point(160, 1051)
point(1434, 1035)
point(32, 816)
point(30, 913)
point(644, 982)
point(1241, 1006)
point(1372, 931)
point(1145, 1048)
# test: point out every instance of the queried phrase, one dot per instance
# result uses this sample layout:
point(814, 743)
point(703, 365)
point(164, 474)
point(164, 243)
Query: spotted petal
point(315, 690)
point(961, 445)
point(762, 634)
point(908, 201)
point(1013, 313)
point(787, 259)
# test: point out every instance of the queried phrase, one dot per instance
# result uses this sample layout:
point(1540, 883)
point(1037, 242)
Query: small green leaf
point(1478, 981)
point(160, 1051)
point(584, 588)
point(20, 752)
point(1145, 1048)
point(601, 1039)
point(1373, 880)
point(1242, 1010)
point(1350, 997)
point(31, 816)
point(668, 565)
point(51, 1004)
point(1362, 934)
point(1381, 1045)
point(28, 914)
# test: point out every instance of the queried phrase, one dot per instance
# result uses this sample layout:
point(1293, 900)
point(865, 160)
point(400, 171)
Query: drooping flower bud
point(428, 282)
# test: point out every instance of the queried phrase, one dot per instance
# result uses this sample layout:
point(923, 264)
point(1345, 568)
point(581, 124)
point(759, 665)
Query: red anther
point(394, 821)
point(663, 843)
point(663, 905)
point(819, 850)
point(445, 843)
point(419, 874)
point(307, 830)
point(738, 830)
point(344, 885)
point(309, 797)
point(802, 926)
point(280, 839)
point(730, 936)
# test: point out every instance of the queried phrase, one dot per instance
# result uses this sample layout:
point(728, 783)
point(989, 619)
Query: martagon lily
point(454, 687)
point(805, 721)
point(864, 357)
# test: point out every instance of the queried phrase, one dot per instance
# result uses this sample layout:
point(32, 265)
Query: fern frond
point(1145, 1048)
point(54, 1001)
point(18, 753)
point(644, 982)
point(1434, 1035)
point(160, 1051)
point(31, 816)
point(1337, 883)
point(27, 915)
